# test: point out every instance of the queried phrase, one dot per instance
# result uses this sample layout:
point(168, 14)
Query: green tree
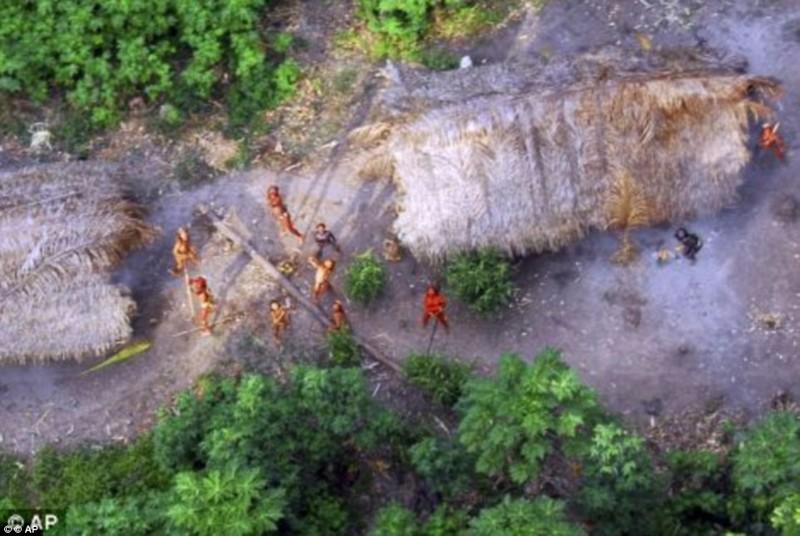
point(520, 517)
point(620, 491)
point(139, 515)
point(446, 466)
point(232, 498)
point(696, 498)
point(443, 378)
point(446, 521)
point(514, 421)
point(103, 53)
point(482, 280)
point(766, 463)
point(786, 517)
point(394, 520)
point(89, 475)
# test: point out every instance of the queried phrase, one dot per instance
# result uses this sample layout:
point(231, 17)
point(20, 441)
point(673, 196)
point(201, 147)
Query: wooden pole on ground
point(316, 313)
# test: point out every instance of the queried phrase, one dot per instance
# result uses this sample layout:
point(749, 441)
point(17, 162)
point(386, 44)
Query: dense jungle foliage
point(181, 53)
point(534, 453)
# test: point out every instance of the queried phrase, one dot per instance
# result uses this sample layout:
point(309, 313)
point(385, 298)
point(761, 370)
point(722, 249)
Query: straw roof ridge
point(532, 170)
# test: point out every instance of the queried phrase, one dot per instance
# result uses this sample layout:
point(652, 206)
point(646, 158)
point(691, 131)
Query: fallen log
point(231, 234)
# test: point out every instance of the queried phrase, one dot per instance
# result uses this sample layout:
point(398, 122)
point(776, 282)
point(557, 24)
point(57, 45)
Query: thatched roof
point(62, 229)
point(527, 160)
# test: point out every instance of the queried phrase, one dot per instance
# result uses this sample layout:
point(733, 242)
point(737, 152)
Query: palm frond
point(63, 228)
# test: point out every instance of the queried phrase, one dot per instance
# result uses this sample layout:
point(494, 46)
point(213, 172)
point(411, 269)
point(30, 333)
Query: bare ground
point(654, 341)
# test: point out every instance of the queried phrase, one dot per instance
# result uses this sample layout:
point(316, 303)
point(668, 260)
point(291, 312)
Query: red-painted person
point(434, 306)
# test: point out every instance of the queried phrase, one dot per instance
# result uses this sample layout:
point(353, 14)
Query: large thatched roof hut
point(62, 229)
point(526, 157)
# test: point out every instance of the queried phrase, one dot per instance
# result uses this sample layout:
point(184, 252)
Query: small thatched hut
point(526, 157)
point(62, 229)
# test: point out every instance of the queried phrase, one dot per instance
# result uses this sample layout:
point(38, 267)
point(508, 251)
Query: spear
point(188, 289)
point(433, 334)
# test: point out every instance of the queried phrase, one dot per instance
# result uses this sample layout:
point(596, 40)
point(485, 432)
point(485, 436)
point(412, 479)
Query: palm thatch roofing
point(524, 157)
point(63, 228)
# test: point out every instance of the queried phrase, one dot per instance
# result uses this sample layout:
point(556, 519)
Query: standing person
point(434, 306)
point(280, 320)
point(323, 237)
point(281, 214)
point(338, 317)
point(203, 293)
point(322, 276)
point(183, 251)
point(770, 139)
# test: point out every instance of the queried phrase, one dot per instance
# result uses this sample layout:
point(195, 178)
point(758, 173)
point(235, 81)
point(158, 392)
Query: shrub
point(13, 482)
point(514, 421)
point(620, 492)
point(438, 59)
point(129, 516)
point(696, 499)
point(482, 280)
point(766, 462)
point(342, 349)
point(786, 517)
point(445, 522)
point(399, 27)
point(85, 476)
point(443, 378)
point(520, 517)
point(232, 498)
point(463, 21)
point(179, 433)
point(103, 53)
point(445, 466)
point(394, 520)
point(326, 515)
point(365, 278)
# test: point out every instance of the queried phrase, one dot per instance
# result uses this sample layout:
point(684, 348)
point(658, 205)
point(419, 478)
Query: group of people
point(434, 303)
point(185, 254)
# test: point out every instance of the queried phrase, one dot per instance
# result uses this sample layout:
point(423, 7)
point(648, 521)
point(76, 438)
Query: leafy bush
point(697, 490)
point(463, 21)
point(445, 522)
point(482, 280)
point(326, 516)
point(438, 59)
point(399, 27)
point(620, 490)
point(766, 462)
point(520, 517)
point(232, 498)
point(445, 466)
point(365, 278)
point(786, 516)
point(443, 378)
point(342, 349)
point(394, 520)
point(104, 53)
point(13, 482)
point(129, 516)
point(85, 476)
point(514, 421)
